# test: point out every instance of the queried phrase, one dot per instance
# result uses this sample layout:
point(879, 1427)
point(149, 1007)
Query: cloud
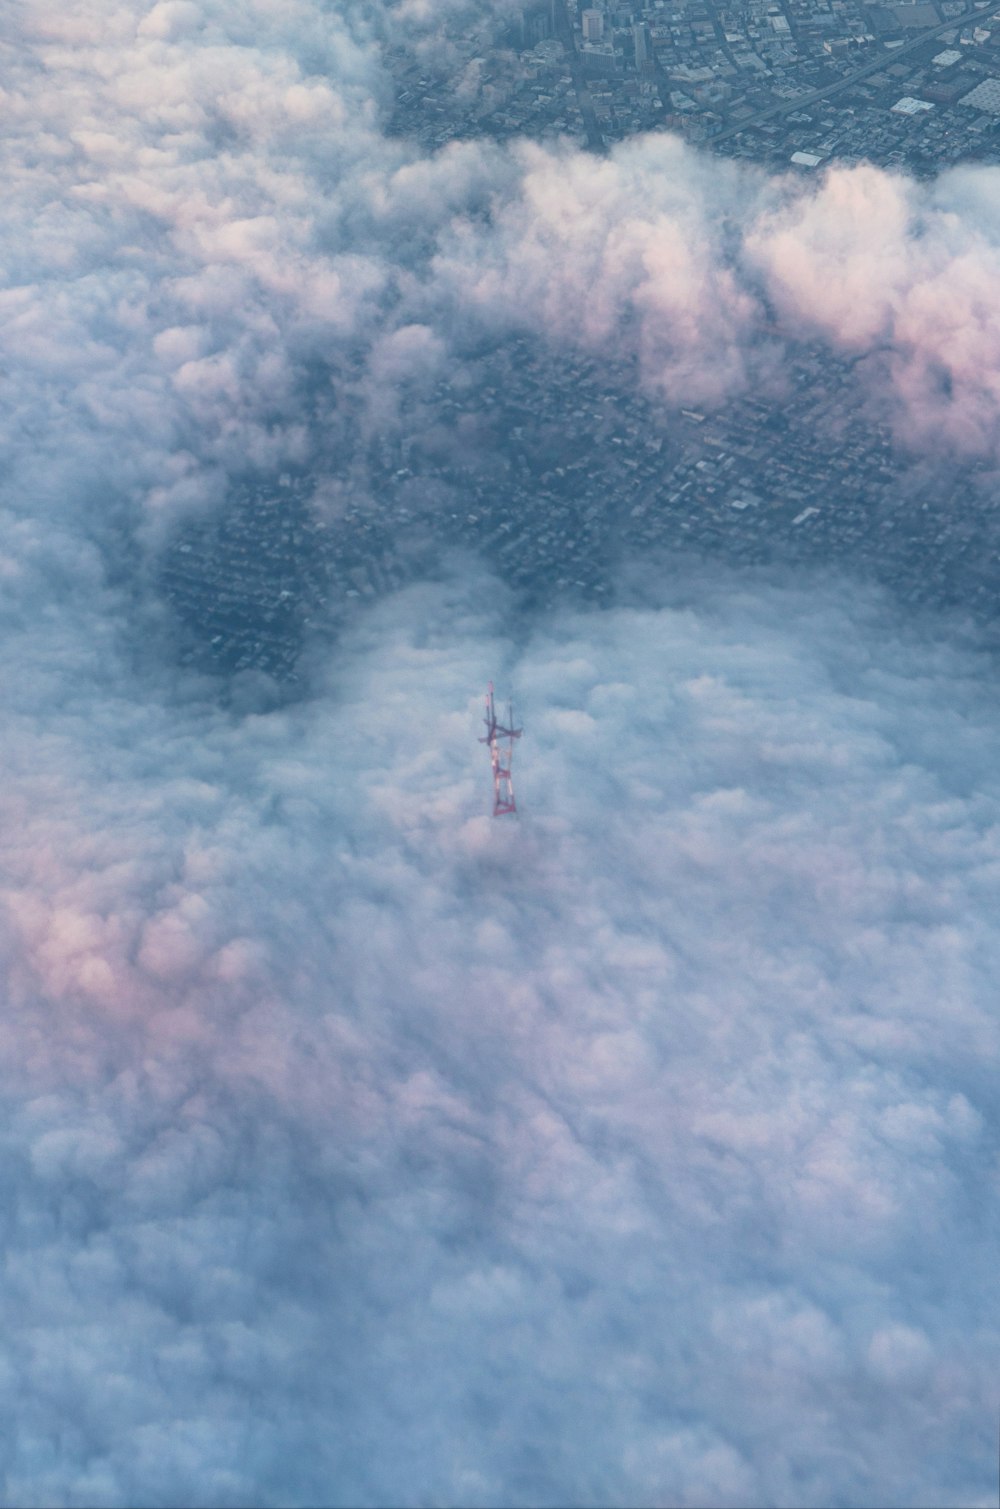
point(364, 1149)
point(211, 238)
point(625, 252)
point(710, 276)
point(878, 263)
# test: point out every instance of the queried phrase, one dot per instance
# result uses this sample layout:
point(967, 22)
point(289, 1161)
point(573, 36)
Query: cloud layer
point(216, 259)
point(363, 1149)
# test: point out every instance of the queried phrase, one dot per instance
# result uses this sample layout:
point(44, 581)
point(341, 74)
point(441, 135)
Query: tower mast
point(500, 738)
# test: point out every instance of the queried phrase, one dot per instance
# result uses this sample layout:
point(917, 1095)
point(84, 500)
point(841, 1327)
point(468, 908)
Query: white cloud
point(636, 1150)
point(360, 1148)
point(224, 171)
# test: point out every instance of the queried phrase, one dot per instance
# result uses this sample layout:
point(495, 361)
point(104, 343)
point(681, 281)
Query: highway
point(886, 57)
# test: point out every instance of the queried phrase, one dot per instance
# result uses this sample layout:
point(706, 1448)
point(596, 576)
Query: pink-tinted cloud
point(651, 1130)
point(359, 1148)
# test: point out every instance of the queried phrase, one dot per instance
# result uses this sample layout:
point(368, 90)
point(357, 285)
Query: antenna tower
point(500, 737)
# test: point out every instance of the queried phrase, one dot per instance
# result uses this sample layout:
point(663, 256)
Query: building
point(536, 24)
point(593, 25)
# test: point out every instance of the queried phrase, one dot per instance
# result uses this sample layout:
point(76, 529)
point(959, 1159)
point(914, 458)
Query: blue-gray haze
point(358, 1148)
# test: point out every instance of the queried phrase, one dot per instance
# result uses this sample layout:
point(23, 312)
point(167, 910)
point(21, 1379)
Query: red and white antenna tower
point(500, 737)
